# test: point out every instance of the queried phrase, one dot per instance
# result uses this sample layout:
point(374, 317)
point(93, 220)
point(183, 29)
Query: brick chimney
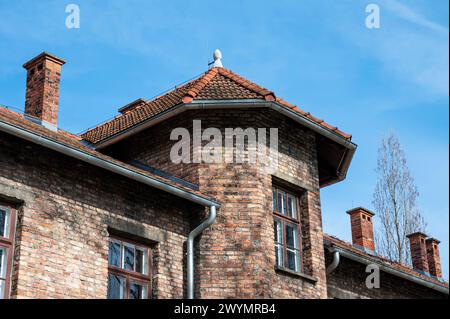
point(418, 251)
point(42, 96)
point(434, 261)
point(362, 228)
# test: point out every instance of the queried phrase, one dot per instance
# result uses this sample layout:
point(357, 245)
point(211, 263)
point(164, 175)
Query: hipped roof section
point(215, 84)
point(219, 85)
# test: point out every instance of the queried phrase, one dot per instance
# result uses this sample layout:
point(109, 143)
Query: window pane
point(1, 262)
point(116, 286)
point(128, 262)
point(291, 236)
point(274, 199)
point(292, 207)
point(277, 231)
point(282, 202)
point(292, 259)
point(138, 291)
point(2, 288)
point(4, 223)
point(114, 258)
point(2, 272)
point(279, 255)
point(142, 261)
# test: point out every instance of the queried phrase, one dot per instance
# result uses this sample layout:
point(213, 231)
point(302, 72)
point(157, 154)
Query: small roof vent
point(131, 106)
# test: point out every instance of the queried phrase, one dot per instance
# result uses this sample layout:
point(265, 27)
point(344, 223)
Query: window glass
point(291, 256)
point(286, 229)
point(116, 287)
point(141, 261)
point(278, 242)
point(292, 207)
point(4, 223)
point(130, 276)
point(115, 256)
point(2, 288)
point(7, 229)
point(2, 272)
point(2, 263)
point(128, 260)
point(274, 199)
point(291, 235)
point(138, 291)
point(281, 202)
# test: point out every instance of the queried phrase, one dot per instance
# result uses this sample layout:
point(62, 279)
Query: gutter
point(389, 270)
point(115, 168)
point(105, 164)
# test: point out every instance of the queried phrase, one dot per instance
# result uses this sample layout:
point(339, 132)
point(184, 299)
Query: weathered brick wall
point(347, 281)
point(67, 207)
point(237, 252)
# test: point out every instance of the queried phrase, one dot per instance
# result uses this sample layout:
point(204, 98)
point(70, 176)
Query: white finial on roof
point(217, 59)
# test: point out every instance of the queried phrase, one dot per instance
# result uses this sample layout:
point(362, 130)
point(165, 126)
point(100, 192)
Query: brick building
point(109, 214)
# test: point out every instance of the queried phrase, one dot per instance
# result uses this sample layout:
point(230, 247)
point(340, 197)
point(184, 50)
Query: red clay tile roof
point(74, 141)
point(401, 267)
point(215, 84)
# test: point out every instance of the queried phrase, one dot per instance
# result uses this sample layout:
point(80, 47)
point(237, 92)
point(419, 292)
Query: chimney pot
point(42, 96)
point(434, 260)
point(362, 228)
point(418, 251)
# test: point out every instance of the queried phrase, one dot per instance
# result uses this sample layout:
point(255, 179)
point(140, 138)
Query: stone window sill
point(286, 271)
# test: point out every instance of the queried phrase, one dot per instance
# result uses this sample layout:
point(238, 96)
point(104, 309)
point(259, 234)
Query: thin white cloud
point(406, 13)
point(412, 50)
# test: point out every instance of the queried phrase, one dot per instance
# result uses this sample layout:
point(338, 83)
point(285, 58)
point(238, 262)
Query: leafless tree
point(395, 199)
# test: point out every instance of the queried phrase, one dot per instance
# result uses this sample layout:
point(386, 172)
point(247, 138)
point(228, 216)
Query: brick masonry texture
point(362, 228)
point(434, 260)
point(418, 251)
point(347, 281)
point(67, 211)
point(42, 95)
point(237, 252)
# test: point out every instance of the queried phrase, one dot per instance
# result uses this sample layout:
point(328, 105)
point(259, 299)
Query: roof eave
point(103, 163)
point(393, 271)
point(341, 170)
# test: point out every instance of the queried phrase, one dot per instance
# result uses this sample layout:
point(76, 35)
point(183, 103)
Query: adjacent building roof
point(215, 84)
point(336, 242)
point(9, 118)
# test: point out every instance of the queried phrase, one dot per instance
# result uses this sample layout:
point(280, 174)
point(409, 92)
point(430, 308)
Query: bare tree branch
point(394, 199)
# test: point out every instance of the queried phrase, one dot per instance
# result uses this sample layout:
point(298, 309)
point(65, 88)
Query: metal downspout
point(335, 263)
point(190, 249)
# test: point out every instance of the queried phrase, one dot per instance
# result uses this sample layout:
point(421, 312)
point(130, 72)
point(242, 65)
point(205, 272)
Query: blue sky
point(314, 53)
